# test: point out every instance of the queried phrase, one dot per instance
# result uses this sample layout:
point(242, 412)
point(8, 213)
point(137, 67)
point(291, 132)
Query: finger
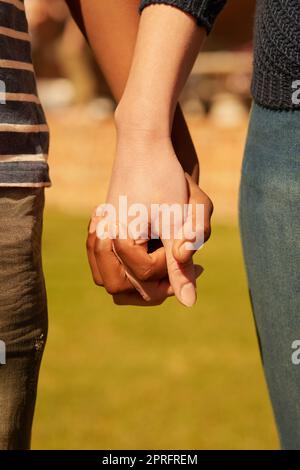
point(114, 277)
point(117, 277)
point(181, 276)
point(135, 299)
point(183, 248)
point(162, 291)
point(147, 289)
point(144, 266)
point(90, 243)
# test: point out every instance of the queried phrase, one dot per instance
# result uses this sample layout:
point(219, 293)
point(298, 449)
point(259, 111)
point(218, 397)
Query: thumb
point(181, 275)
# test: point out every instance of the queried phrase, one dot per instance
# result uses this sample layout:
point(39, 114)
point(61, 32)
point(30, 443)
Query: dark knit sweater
point(276, 77)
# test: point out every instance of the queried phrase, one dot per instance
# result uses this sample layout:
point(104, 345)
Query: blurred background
point(157, 378)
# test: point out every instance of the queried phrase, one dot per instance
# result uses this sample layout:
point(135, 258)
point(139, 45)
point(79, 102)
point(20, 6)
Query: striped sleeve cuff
point(24, 174)
point(204, 11)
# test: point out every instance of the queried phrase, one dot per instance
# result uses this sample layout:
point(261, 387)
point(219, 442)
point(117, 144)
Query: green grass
point(155, 378)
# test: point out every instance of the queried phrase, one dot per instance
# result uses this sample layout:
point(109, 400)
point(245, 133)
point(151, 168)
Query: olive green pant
point(23, 311)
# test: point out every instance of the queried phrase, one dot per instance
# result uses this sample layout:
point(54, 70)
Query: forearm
point(167, 45)
point(111, 29)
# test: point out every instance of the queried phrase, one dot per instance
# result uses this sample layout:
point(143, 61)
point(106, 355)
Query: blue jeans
point(270, 229)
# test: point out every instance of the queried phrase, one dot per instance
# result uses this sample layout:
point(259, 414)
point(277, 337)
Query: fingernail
point(188, 294)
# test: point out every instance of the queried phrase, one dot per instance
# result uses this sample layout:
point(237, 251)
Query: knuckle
point(174, 266)
point(207, 232)
point(97, 281)
point(210, 206)
point(113, 288)
point(96, 278)
point(89, 244)
point(97, 249)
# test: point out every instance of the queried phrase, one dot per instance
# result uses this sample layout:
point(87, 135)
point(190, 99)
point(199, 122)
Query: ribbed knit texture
point(276, 53)
point(276, 45)
point(205, 11)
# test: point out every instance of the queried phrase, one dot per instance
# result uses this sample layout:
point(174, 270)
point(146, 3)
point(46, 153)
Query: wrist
point(143, 117)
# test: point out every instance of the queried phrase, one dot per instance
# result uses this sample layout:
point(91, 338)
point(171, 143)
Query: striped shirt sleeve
point(24, 134)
